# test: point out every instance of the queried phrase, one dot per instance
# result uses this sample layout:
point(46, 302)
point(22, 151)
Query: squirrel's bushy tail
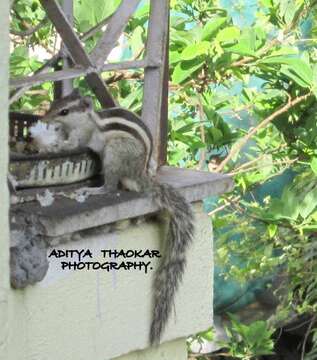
point(170, 271)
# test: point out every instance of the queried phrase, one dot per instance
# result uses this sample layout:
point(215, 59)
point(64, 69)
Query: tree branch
point(94, 30)
point(313, 320)
point(239, 144)
point(30, 30)
point(19, 92)
point(258, 167)
point(202, 159)
point(297, 18)
point(222, 207)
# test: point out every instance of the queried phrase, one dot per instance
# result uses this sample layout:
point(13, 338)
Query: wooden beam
point(77, 51)
point(154, 77)
point(162, 156)
point(52, 61)
point(65, 87)
point(37, 79)
point(115, 28)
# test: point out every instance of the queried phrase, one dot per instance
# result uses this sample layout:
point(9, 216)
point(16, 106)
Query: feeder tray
point(37, 170)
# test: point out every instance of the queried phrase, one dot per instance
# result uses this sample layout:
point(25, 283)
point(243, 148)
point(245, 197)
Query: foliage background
point(243, 86)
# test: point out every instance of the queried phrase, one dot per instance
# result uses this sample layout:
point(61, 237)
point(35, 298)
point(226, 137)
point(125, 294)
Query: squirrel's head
point(70, 105)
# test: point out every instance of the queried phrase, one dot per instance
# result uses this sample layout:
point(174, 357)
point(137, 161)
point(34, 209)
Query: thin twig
point(313, 320)
point(238, 145)
point(124, 75)
point(252, 168)
point(30, 30)
point(37, 92)
point(19, 92)
point(297, 326)
point(202, 159)
point(206, 356)
point(262, 52)
point(94, 30)
point(139, 53)
point(251, 162)
point(222, 207)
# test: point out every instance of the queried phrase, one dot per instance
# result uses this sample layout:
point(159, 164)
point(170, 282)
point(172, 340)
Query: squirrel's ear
point(88, 103)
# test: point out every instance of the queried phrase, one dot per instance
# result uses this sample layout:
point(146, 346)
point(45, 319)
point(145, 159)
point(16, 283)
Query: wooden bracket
point(155, 63)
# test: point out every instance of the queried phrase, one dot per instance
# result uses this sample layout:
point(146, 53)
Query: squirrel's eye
point(64, 112)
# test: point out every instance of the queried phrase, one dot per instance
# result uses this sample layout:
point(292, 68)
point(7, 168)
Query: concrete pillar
point(106, 315)
point(4, 200)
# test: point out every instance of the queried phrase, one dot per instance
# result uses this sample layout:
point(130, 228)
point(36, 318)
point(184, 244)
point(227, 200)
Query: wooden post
point(4, 203)
point(164, 105)
point(115, 28)
point(77, 51)
point(65, 87)
point(154, 107)
point(155, 63)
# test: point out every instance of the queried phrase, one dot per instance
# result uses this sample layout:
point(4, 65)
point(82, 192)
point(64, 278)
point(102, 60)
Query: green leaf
point(194, 50)
point(289, 9)
point(313, 165)
point(129, 100)
point(184, 69)
point(314, 87)
point(20, 51)
point(142, 11)
point(293, 76)
point(230, 33)
point(285, 208)
point(272, 228)
point(88, 14)
point(174, 57)
point(181, 38)
point(207, 335)
point(309, 203)
point(284, 51)
point(215, 134)
point(296, 66)
point(191, 141)
point(188, 127)
point(241, 48)
point(136, 40)
point(212, 27)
